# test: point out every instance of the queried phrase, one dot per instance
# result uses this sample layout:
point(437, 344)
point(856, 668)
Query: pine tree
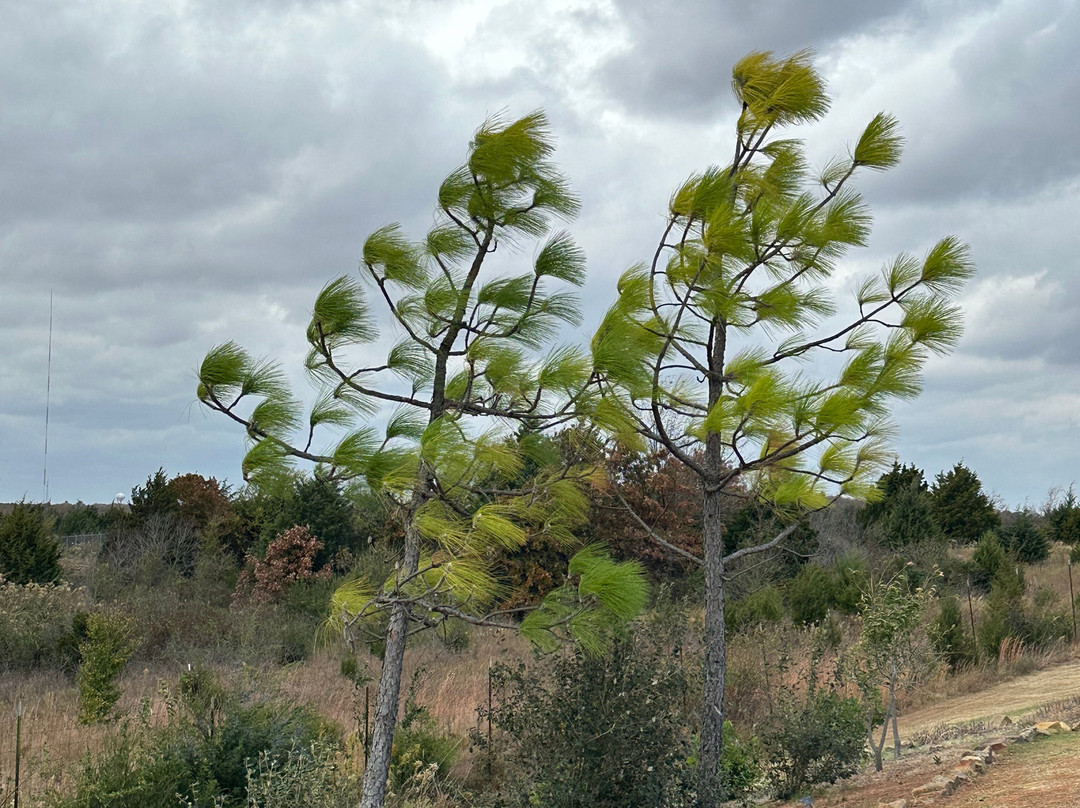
point(473, 356)
point(29, 552)
point(1063, 518)
point(988, 559)
point(963, 511)
point(910, 519)
point(1025, 541)
point(708, 350)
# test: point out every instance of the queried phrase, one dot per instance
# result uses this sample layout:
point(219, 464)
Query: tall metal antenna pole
point(48, 396)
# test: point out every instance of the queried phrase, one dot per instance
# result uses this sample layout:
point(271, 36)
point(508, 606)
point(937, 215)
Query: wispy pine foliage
point(471, 358)
point(731, 333)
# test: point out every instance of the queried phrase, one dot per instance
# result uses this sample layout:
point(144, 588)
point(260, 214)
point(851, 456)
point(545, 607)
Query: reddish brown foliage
point(203, 501)
point(666, 495)
point(289, 558)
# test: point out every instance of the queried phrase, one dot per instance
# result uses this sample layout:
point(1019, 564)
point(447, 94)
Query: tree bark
point(712, 720)
point(894, 711)
point(373, 793)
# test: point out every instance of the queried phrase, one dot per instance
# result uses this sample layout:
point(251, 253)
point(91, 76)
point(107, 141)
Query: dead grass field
point(1013, 698)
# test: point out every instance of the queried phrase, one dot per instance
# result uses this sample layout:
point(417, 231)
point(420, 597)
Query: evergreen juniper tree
point(963, 510)
point(709, 350)
point(466, 367)
point(29, 552)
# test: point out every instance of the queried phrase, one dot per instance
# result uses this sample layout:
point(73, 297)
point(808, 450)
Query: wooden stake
point(367, 712)
point(491, 751)
point(971, 615)
point(18, 747)
point(1072, 597)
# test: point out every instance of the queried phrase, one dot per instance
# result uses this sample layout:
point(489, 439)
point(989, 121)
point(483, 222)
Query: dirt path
point(1012, 698)
point(1039, 775)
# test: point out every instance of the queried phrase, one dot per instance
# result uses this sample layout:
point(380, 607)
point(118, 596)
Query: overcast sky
point(178, 173)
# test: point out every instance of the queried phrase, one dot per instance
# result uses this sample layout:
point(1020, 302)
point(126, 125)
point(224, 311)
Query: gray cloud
point(183, 177)
point(681, 55)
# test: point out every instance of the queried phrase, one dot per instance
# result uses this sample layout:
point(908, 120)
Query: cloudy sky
point(182, 172)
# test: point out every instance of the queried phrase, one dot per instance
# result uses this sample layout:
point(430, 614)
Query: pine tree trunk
point(712, 719)
point(712, 536)
point(373, 794)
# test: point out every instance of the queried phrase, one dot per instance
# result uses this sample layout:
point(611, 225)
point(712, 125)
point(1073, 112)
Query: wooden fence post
point(18, 747)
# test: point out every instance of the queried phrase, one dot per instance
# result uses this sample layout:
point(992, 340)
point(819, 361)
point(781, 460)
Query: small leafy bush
point(819, 740)
point(420, 750)
point(1025, 541)
point(603, 731)
point(740, 764)
point(766, 605)
point(208, 759)
point(310, 778)
point(105, 651)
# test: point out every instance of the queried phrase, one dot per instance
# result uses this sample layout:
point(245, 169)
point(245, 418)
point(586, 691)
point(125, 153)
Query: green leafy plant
point(109, 644)
point(421, 752)
point(215, 746)
point(817, 739)
point(954, 647)
point(595, 730)
point(311, 777)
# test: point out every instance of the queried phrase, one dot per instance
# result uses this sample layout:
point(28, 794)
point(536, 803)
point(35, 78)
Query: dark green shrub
point(596, 732)
point(810, 594)
point(80, 520)
point(910, 519)
point(819, 740)
point(29, 552)
point(947, 633)
point(273, 729)
point(420, 749)
point(1063, 519)
point(105, 651)
point(199, 764)
point(963, 511)
point(1048, 620)
point(851, 580)
point(989, 557)
point(766, 605)
point(133, 770)
point(1025, 541)
point(310, 597)
point(1003, 618)
point(297, 641)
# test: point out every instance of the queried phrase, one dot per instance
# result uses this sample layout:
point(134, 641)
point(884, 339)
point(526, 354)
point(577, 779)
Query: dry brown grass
point(451, 684)
point(53, 740)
